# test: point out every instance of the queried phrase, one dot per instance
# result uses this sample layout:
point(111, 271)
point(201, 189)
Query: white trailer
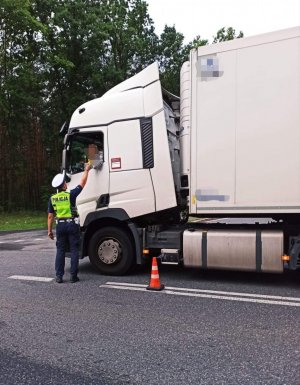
point(229, 146)
point(243, 121)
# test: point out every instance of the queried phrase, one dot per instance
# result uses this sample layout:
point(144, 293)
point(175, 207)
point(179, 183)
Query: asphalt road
point(206, 327)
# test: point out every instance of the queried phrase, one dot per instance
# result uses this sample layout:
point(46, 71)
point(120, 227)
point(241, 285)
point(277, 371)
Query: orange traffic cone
point(154, 281)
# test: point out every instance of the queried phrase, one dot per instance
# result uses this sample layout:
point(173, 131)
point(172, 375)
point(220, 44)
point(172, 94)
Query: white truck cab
point(127, 128)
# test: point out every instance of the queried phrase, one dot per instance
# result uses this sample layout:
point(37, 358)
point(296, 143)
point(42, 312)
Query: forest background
point(58, 54)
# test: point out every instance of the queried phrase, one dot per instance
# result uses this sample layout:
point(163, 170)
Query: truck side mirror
point(64, 128)
point(64, 159)
point(67, 178)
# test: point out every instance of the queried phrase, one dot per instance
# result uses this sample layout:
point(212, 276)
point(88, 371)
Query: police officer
point(63, 206)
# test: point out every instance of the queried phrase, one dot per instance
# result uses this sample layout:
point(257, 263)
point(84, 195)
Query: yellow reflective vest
point(62, 204)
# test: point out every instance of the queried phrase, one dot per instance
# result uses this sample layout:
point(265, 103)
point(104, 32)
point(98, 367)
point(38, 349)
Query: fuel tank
point(249, 250)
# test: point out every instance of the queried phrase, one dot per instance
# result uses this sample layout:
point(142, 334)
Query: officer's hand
point(50, 235)
point(88, 167)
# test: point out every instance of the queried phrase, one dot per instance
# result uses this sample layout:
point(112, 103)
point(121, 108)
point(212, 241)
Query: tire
point(111, 251)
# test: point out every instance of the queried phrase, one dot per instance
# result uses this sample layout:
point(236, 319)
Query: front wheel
point(111, 251)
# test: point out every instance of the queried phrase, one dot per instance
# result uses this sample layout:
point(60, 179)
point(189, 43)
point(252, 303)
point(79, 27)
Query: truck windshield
point(83, 148)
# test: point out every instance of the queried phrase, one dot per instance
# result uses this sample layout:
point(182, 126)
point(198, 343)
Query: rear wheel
point(111, 251)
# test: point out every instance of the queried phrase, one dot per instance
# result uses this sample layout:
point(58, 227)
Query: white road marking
point(31, 278)
point(232, 293)
point(125, 287)
point(125, 284)
point(22, 240)
point(241, 299)
point(231, 296)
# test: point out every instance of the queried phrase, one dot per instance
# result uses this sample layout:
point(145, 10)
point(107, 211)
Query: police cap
point(58, 180)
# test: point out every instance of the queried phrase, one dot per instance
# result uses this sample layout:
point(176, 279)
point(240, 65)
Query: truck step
point(170, 257)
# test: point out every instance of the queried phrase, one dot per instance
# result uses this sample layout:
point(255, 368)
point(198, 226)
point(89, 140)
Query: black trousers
point(67, 233)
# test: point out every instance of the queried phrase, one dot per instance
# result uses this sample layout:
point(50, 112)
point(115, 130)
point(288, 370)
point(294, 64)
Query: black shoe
point(58, 279)
point(74, 279)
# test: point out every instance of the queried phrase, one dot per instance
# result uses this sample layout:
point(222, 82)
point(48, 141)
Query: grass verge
point(23, 220)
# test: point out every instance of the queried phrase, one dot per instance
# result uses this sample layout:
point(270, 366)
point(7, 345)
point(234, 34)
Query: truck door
point(89, 146)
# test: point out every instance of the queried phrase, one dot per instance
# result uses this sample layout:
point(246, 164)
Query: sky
point(206, 17)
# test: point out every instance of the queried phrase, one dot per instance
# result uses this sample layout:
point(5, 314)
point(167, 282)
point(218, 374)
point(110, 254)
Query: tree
point(131, 42)
point(172, 54)
point(228, 34)
point(171, 57)
point(19, 102)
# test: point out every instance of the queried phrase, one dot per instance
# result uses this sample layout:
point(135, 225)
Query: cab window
point(85, 148)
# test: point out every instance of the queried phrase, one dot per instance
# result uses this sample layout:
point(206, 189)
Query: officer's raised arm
point(83, 181)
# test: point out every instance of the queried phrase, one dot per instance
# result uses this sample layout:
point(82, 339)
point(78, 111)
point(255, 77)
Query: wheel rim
point(109, 251)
